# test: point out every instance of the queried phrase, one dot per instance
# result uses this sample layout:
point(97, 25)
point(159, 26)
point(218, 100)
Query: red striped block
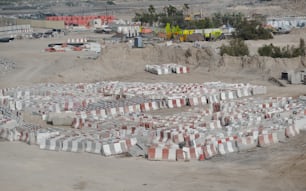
point(178, 138)
point(24, 136)
point(292, 131)
point(216, 107)
point(193, 153)
point(175, 103)
point(142, 107)
point(130, 142)
point(180, 156)
point(156, 153)
point(146, 106)
point(190, 138)
point(215, 124)
point(10, 134)
point(246, 143)
point(164, 136)
point(217, 115)
point(209, 151)
point(101, 112)
point(267, 139)
point(197, 101)
point(78, 123)
point(227, 146)
point(181, 70)
point(68, 106)
point(117, 148)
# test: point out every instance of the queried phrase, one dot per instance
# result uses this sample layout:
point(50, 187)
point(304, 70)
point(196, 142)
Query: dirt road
point(281, 167)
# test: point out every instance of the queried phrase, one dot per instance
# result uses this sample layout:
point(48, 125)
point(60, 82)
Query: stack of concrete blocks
point(129, 31)
point(223, 118)
point(77, 40)
point(60, 119)
point(27, 133)
point(296, 77)
point(16, 30)
point(176, 68)
point(82, 45)
point(157, 69)
point(167, 69)
point(7, 129)
point(269, 136)
point(286, 22)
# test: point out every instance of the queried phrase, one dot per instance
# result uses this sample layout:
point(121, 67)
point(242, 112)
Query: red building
point(80, 20)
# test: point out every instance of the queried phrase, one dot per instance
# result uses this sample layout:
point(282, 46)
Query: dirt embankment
point(121, 62)
point(126, 61)
point(261, 66)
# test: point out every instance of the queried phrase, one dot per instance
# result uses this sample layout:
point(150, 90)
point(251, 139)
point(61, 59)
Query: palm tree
point(151, 9)
point(171, 10)
point(186, 8)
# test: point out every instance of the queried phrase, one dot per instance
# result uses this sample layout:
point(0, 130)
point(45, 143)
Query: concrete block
point(61, 119)
point(9, 125)
point(300, 123)
point(295, 78)
point(246, 143)
point(281, 135)
point(137, 150)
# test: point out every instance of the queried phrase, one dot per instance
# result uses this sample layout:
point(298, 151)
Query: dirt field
point(23, 167)
point(121, 62)
point(281, 167)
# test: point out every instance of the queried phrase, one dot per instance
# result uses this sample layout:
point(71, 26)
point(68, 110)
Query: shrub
point(252, 30)
point(236, 47)
point(284, 52)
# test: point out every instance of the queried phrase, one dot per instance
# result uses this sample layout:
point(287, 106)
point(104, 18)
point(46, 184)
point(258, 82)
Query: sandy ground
point(23, 167)
point(280, 167)
point(117, 62)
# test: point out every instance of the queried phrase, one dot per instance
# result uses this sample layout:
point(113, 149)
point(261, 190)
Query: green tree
point(252, 30)
point(233, 19)
point(171, 10)
point(208, 23)
point(172, 15)
point(302, 47)
point(176, 29)
point(278, 52)
point(266, 50)
point(186, 8)
point(146, 17)
point(217, 19)
point(152, 10)
point(168, 28)
point(168, 31)
point(236, 47)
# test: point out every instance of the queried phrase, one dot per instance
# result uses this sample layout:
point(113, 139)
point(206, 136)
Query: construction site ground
point(278, 167)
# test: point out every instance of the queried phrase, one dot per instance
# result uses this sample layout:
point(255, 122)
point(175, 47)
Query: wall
point(284, 22)
point(42, 23)
point(4, 21)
